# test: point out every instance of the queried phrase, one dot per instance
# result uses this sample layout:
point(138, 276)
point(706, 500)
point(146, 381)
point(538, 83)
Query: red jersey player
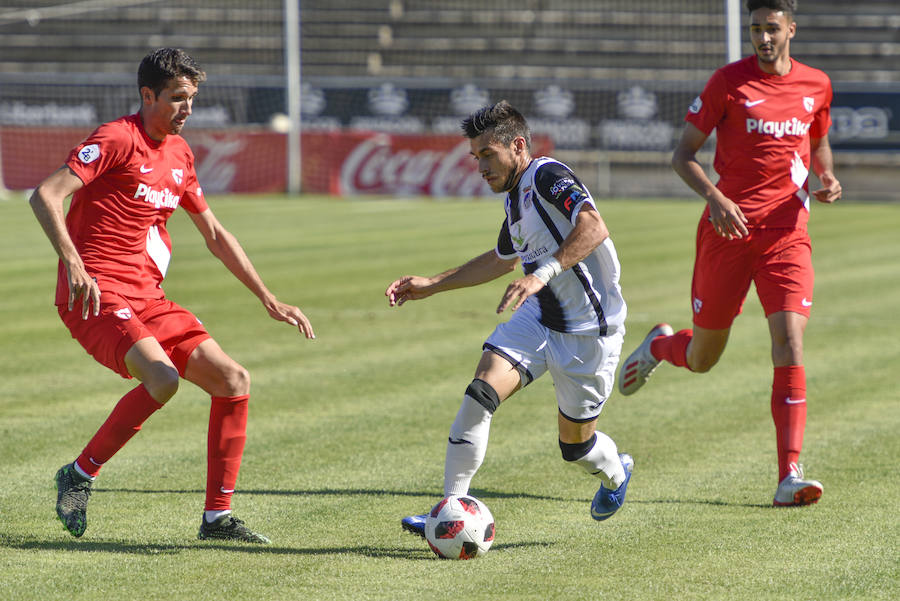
point(771, 115)
point(126, 179)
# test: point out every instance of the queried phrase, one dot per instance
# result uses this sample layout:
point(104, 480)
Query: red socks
point(225, 440)
point(225, 446)
point(672, 348)
point(124, 422)
point(789, 414)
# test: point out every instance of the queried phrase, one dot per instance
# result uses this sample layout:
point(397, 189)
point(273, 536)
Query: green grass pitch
point(347, 432)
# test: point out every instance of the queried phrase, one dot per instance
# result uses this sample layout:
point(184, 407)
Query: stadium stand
point(574, 39)
point(45, 36)
point(565, 39)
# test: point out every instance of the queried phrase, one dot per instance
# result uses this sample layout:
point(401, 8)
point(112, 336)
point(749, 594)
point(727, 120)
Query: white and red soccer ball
point(459, 527)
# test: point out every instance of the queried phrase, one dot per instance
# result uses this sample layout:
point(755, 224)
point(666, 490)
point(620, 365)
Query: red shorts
point(123, 321)
point(777, 261)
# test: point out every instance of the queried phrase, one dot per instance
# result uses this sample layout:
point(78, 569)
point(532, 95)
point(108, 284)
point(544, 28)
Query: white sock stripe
point(81, 472)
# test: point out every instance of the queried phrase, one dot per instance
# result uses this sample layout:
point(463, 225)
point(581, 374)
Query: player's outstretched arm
point(47, 204)
point(726, 217)
point(483, 268)
point(227, 249)
point(823, 166)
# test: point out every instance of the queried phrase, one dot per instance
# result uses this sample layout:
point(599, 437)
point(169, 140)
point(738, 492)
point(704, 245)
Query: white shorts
point(583, 368)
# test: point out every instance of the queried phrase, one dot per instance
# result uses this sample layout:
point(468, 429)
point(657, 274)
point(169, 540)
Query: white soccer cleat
point(641, 363)
point(795, 490)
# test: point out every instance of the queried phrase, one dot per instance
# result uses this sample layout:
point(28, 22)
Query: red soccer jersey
point(763, 125)
point(132, 184)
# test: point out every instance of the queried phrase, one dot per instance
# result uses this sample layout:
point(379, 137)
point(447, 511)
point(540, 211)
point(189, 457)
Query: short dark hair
point(164, 64)
point(504, 121)
point(786, 6)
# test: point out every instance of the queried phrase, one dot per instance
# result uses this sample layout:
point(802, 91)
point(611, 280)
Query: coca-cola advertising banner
point(349, 163)
point(345, 163)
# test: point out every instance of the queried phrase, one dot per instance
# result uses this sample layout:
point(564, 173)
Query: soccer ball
point(459, 527)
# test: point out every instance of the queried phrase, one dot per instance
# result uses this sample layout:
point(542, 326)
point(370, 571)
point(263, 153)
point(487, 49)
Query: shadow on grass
point(435, 494)
point(699, 502)
point(430, 494)
point(87, 546)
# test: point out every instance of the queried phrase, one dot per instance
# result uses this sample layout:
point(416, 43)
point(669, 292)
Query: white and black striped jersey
point(540, 214)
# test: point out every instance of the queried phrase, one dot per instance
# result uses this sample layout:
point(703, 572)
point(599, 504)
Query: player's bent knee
point(236, 380)
point(484, 394)
point(162, 383)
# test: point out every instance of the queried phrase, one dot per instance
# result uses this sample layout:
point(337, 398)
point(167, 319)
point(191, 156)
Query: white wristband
point(548, 270)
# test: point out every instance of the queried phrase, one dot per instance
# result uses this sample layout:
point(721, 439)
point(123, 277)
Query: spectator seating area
point(649, 40)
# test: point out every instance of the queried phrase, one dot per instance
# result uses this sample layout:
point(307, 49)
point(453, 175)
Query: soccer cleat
point(72, 494)
point(640, 364)
point(229, 528)
point(794, 490)
point(606, 502)
point(414, 524)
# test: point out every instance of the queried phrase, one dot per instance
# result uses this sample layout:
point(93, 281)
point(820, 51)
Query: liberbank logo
point(779, 129)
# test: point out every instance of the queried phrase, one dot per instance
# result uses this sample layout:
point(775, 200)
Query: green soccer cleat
point(72, 495)
point(229, 528)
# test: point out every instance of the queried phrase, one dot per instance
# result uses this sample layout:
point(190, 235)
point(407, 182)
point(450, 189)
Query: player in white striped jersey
point(569, 313)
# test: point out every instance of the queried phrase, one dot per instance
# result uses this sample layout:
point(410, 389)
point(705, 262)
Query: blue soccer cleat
point(607, 502)
point(414, 524)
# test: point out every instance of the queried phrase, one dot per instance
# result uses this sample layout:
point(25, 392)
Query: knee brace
point(484, 394)
point(574, 452)
point(475, 413)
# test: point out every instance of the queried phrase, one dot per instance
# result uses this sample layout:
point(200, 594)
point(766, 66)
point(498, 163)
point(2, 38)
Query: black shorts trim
point(582, 420)
point(524, 374)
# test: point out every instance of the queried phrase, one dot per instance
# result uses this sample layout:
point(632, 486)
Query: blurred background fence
point(383, 85)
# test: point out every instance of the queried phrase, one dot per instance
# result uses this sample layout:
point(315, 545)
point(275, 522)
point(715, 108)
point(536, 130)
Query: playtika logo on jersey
point(158, 198)
point(779, 129)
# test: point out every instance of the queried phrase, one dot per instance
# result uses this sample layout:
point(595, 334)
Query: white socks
point(211, 515)
point(466, 446)
point(603, 461)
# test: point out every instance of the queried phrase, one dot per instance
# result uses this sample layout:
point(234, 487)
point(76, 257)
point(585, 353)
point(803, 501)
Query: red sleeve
point(822, 119)
point(708, 109)
point(192, 199)
point(105, 149)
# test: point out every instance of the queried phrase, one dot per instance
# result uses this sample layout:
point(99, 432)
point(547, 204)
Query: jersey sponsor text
point(779, 129)
point(158, 198)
